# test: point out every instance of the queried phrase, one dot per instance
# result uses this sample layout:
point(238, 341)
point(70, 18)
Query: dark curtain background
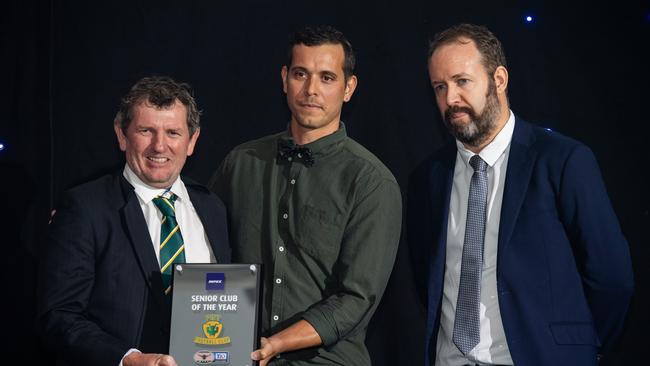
point(579, 68)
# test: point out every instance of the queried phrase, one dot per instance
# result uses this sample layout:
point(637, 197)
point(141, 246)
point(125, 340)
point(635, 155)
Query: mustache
point(459, 109)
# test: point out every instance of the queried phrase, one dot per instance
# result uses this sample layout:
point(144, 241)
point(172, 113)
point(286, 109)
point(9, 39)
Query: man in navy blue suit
point(518, 255)
point(103, 295)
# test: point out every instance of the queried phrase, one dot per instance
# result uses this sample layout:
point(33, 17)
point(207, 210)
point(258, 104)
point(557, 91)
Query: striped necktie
point(172, 246)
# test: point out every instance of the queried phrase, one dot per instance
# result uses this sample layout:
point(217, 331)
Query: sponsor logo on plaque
point(212, 330)
point(211, 357)
point(203, 358)
point(220, 357)
point(215, 281)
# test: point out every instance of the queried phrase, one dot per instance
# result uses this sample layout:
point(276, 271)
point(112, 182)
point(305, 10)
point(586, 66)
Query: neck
point(304, 136)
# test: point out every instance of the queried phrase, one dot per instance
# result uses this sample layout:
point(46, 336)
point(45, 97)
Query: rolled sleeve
point(366, 259)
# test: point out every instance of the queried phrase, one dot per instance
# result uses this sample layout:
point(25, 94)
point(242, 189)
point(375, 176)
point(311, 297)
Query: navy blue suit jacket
point(100, 288)
point(564, 275)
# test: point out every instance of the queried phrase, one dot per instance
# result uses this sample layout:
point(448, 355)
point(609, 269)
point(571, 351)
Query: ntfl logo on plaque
point(211, 332)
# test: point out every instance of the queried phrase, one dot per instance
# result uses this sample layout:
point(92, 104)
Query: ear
point(284, 73)
point(193, 139)
point(501, 79)
point(121, 138)
point(350, 86)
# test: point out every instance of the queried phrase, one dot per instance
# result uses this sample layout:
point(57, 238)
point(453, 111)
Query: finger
point(166, 360)
point(264, 342)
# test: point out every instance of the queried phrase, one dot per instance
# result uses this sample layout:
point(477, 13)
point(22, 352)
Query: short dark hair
point(320, 35)
point(486, 42)
point(160, 92)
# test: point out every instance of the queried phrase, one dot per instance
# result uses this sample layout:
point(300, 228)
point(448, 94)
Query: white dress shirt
point(492, 348)
point(197, 245)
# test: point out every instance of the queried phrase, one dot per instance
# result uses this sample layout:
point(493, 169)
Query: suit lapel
point(441, 177)
point(521, 160)
point(141, 240)
point(203, 210)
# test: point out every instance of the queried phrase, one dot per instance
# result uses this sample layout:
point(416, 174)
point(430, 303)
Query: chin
point(462, 123)
point(308, 124)
point(159, 182)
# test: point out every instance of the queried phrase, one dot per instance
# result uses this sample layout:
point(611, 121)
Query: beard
point(480, 126)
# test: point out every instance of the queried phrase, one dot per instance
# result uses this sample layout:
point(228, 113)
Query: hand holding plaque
point(215, 312)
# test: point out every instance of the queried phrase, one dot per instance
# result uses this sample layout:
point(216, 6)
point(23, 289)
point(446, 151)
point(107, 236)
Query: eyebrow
point(460, 75)
point(454, 77)
point(321, 72)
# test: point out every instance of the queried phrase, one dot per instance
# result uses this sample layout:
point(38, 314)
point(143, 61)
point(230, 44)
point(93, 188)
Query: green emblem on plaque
point(211, 330)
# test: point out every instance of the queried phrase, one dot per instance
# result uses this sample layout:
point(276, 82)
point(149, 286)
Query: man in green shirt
point(321, 212)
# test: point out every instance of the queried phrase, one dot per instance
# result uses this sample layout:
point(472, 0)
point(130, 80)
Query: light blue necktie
point(467, 323)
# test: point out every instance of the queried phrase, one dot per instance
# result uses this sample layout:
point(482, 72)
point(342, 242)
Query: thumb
point(264, 351)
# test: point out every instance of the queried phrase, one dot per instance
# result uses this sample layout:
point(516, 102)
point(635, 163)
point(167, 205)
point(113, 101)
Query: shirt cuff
point(323, 326)
point(128, 353)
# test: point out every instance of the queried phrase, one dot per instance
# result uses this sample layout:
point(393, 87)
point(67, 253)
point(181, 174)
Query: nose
point(311, 86)
point(158, 142)
point(452, 97)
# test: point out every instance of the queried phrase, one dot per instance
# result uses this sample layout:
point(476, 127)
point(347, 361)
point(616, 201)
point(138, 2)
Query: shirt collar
point(147, 193)
point(492, 151)
point(323, 145)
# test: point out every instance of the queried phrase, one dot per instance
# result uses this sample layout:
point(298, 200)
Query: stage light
point(2, 146)
point(548, 129)
point(528, 18)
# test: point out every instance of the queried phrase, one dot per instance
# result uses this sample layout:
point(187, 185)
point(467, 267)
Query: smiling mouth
point(157, 160)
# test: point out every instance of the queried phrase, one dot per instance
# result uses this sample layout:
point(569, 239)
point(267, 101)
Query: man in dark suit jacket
point(101, 294)
point(553, 277)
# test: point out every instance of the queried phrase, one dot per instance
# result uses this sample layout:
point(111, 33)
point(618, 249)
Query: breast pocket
point(319, 233)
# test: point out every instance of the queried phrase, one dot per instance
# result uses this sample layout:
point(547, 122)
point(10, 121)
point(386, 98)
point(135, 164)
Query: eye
point(329, 78)
point(143, 131)
point(174, 133)
point(299, 74)
point(437, 88)
point(462, 82)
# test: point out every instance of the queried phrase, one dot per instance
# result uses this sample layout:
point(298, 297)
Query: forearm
point(80, 341)
point(299, 335)
point(602, 253)
point(66, 282)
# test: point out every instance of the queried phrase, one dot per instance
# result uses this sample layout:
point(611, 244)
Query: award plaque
point(215, 313)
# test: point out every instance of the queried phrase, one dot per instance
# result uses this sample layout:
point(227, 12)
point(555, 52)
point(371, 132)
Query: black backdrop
point(580, 68)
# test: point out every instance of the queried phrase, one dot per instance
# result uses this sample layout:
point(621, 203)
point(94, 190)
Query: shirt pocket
point(319, 233)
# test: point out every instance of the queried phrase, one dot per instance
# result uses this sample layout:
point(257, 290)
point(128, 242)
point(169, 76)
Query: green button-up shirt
point(327, 235)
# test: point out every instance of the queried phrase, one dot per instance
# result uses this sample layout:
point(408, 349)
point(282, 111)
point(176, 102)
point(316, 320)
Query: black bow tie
point(289, 151)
